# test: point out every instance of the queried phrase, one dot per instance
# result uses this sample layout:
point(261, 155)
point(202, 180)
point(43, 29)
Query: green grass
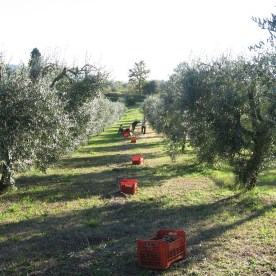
point(73, 220)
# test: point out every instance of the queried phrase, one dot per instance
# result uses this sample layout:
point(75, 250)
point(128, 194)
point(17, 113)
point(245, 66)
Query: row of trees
point(47, 110)
point(226, 108)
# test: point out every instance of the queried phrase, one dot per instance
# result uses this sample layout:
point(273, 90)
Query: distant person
point(120, 130)
point(134, 124)
point(144, 125)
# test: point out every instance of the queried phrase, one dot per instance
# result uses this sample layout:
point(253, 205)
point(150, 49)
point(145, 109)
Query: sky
point(114, 34)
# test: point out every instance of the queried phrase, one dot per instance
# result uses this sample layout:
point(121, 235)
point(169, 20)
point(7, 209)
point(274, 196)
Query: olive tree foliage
point(228, 109)
point(233, 113)
point(158, 109)
point(138, 75)
point(78, 87)
point(48, 110)
point(266, 24)
point(103, 112)
point(33, 125)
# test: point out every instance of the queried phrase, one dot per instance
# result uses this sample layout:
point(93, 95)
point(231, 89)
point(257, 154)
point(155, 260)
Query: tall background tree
point(35, 64)
point(138, 75)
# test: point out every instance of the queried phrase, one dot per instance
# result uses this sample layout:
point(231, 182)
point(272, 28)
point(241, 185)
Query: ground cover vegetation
point(73, 220)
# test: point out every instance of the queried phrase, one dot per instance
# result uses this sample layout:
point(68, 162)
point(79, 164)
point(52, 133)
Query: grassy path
point(73, 221)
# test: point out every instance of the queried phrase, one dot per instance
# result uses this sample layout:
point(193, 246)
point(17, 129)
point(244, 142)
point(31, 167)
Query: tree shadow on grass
point(118, 148)
point(89, 162)
point(60, 187)
point(76, 184)
point(177, 170)
point(106, 138)
point(107, 160)
point(66, 244)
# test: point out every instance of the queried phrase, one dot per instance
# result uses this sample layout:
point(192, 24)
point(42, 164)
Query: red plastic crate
point(126, 134)
point(159, 252)
point(137, 159)
point(129, 186)
point(133, 140)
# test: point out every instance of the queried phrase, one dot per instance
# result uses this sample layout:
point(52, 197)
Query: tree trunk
point(7, 180)
point(183, 144)
point(261, 139)
point(254, 164)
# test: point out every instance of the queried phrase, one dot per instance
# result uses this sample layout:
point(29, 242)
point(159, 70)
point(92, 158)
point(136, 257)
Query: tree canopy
point(226, 107)
point(138, 75)
point(46, 111)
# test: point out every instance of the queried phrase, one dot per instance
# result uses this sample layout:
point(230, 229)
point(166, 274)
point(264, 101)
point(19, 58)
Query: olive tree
point(232, 112)
point(228, 109)
point(103, 113)
point(268, 24)
point(158, 110)
point(33, 126)
point(47, 110)
point(77, 88)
